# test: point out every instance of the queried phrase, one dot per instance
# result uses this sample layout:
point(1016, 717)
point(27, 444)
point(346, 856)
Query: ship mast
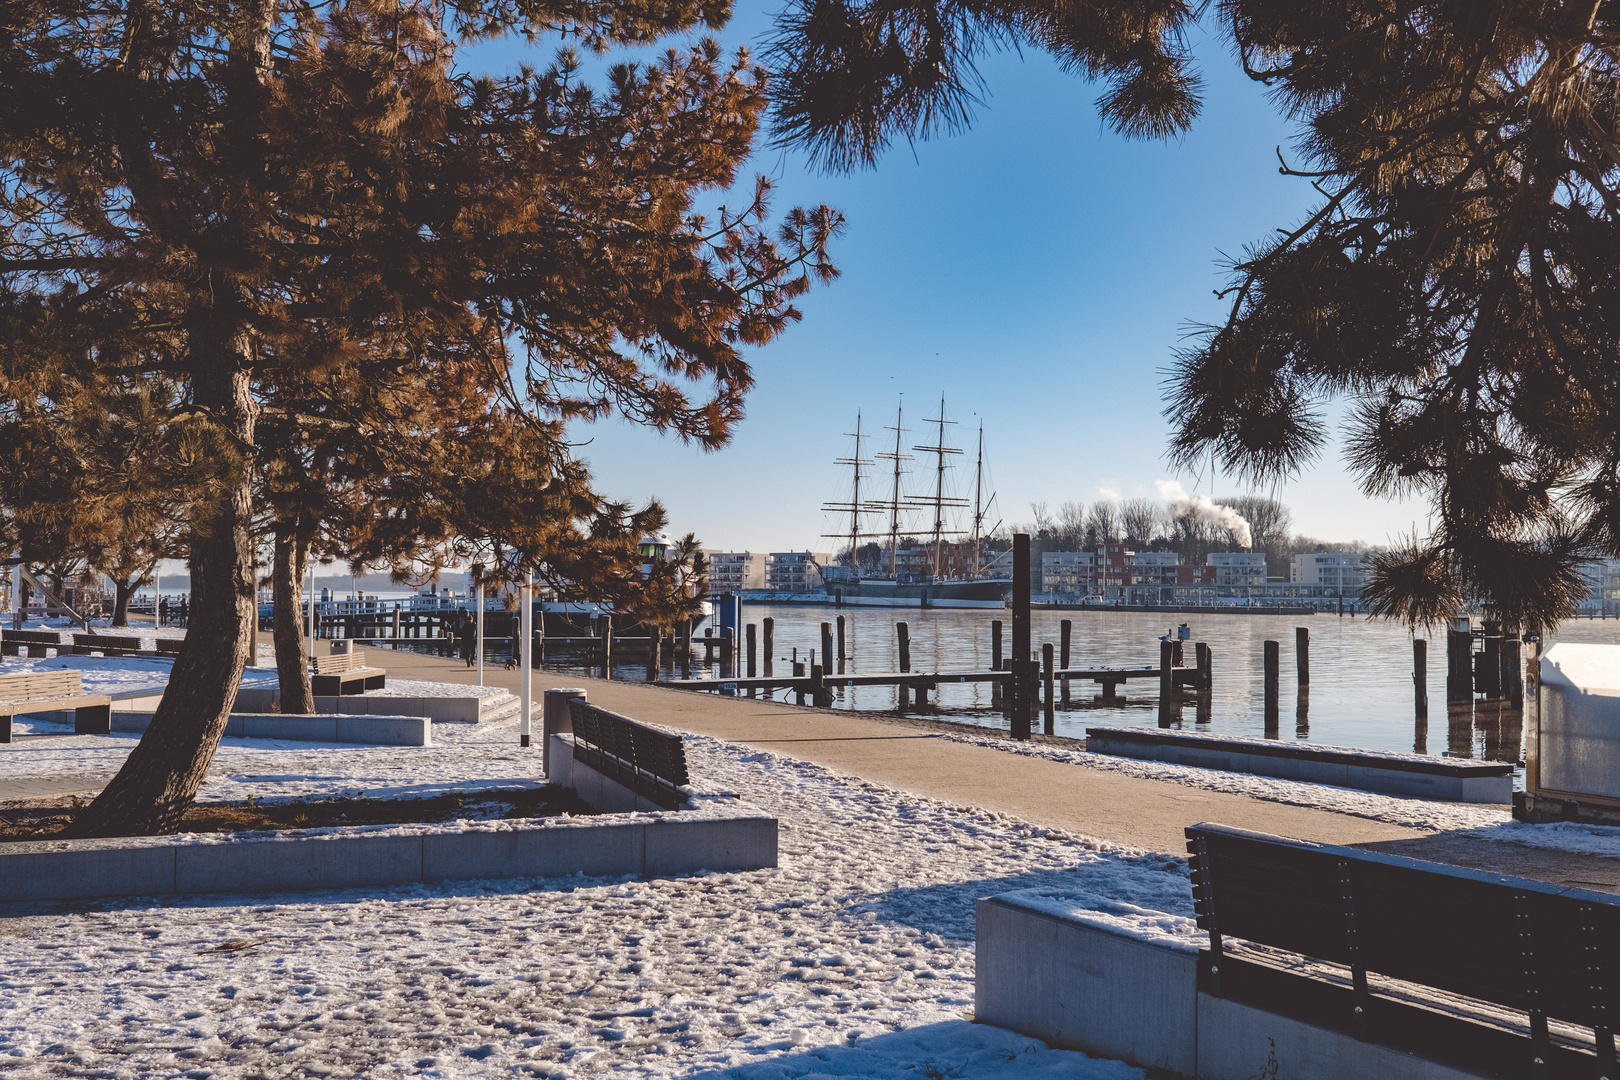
point(939, 501)
point(895, 501)
point(978, 491)
point(855, 507)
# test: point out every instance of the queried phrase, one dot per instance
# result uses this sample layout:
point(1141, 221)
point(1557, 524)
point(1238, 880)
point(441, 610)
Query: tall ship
point(925, 568)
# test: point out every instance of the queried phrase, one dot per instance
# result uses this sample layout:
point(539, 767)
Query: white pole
point(525, 655)
point(310, 575)
point(478, 637)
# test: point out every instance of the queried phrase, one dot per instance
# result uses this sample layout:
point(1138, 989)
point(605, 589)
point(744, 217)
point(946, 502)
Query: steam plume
point(1205, 509)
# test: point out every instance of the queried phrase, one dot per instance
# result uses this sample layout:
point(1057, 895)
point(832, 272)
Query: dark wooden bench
point(345, 673)
point(50, 691)
point(1453, 965)
point(106, 645)
point(35, 641)
point(650, 762)
point(169, 646)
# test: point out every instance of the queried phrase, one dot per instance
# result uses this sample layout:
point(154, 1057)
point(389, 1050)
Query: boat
point(929, 586)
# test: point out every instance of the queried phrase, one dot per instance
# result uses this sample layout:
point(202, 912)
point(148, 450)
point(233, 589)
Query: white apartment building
point(734, 571)
point(795, 571)
point(1344, 571)
point(1156, 567)
point(1068, 572)
point(1247, 568)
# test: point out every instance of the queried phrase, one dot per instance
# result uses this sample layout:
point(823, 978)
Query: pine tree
point(1459, 283)
point(237, 195)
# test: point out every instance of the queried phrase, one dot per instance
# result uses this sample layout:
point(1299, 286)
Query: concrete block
point(1235, 1041)
point(1081, 986)
point(561, 758)
point(302, 728)
point(317, 862)
point(77, 869)
point(597, 851)
point(685, 847)
point(452, 709)
point(256, 699)
point(135, 722)
point(385, 730)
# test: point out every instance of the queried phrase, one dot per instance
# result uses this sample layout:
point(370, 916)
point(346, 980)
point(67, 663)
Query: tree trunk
point(122, 591)
point(292, 654)
point(162, 774)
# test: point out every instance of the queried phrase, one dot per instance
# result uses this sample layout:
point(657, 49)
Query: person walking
point(469, 644)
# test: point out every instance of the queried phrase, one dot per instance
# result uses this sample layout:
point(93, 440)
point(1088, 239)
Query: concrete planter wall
point(364, 728)
point(1081, 985)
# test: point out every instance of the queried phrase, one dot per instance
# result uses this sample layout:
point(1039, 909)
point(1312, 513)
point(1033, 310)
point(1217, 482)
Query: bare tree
point(1140, 520)
point(1102, 523)
point(1070, 532)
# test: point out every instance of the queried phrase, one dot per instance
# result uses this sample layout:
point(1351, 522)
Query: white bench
point(44, 691)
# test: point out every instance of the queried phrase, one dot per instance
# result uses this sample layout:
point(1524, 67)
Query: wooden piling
point(1459, 662)
point(902, 634)
point(1273, 676)
point(1167, 684)
point(996, 694)
point(1512, 678)
point(826, 645)
point(842, 653)
point(1206, 666)
point(1490, 668)
point(819, 696)
point(1048, 668)
point(728, 655)
point(798, 689)
point(1420, 678)
point(768, 642)
point(1022, 682)
point(1302, 654)
point(1065, 636)
point(752, 646)
point(607, 646)
point(655, 640)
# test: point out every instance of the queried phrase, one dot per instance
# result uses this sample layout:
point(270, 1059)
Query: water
point(1361, 673)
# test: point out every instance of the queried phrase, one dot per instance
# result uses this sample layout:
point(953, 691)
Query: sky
point(1037, 272)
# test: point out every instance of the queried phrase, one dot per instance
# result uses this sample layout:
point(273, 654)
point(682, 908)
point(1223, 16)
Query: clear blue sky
point(1037, 271)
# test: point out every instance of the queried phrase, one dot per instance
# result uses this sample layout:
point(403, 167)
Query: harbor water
point(1360, 692)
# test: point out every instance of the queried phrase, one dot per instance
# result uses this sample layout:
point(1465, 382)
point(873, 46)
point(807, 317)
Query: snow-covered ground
point(854, 958)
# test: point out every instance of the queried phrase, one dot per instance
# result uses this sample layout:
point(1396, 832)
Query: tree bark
point(162, 774)
point(292, 653)
point(122, 591)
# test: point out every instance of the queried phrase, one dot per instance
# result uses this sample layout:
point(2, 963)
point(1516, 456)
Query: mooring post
point(1302, 654)
point(1512, 672)
point(1167, 677)
point(1206, 665)
point(996, 694)
point(1460, 661)
point(752, 646)
point(1048, 667)
point(1022, 683)
point(826, 646)
point(607, 646)
point(655, 640)
point(1489, 682)
point(1420, 677)
point(728, 654)
point(818, 692)
point(768, 642)
point(902, 636)
point(1273, 664)
point(798, 687)
point(842, 654)
point(1065, 635)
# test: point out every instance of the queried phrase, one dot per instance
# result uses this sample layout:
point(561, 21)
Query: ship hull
point(934, 594)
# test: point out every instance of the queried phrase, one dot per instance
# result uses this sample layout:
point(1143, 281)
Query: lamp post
point(525, 652)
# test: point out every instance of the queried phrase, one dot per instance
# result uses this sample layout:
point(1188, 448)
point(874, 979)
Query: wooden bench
point(35, 641)
point(650, 762)
point(169, 646)
point(345, 673)
point(1454, 965)
point(106, 645)
point(49, 691)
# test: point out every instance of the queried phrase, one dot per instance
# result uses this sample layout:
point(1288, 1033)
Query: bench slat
point(29, 686)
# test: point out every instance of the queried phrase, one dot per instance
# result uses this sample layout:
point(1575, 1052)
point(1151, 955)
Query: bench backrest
point(106, 641)
point(337, 663)
point(34, 637)
point(650, 762)
point(1546, 949)
point(40, 685)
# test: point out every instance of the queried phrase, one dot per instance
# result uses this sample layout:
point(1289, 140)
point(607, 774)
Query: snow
point(854, 958)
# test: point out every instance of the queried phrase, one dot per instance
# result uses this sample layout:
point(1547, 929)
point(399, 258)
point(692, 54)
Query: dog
point(511, 663)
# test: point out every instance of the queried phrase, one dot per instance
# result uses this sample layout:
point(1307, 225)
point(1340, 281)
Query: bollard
point(826, 645)
point(1302, 654)
point(655, 641)
point(607, 646)
point(1048, 665)
point(686, 649)
point(768, 644)
point(1273, 677)
point(1022, 683)
point(995, 664)
point(798, 687)
point(728, 665)
point(818, 692)
point(1065, 635)
point(1206, 666)
point(1420, 678)
point(752, 647)
point(1512, 677)
point(842, 654)
point(1459, 661)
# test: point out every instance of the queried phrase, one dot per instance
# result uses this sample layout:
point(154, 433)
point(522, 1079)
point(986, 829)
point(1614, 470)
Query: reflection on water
point(1361, 691)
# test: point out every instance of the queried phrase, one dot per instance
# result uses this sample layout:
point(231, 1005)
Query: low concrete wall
point(365, 728)
point(1080, 985)
point(262, 699)
point(1444, 779)
point(1083, 987)
point(339, 859)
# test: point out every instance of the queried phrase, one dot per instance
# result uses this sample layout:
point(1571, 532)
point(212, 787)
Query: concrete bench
point(14, 642)
point(345, 673)
point(1448, 779)
point(1457, 967)
point(47, 690)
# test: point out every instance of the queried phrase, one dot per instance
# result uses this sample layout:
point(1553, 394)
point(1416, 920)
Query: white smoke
point(1205, 509)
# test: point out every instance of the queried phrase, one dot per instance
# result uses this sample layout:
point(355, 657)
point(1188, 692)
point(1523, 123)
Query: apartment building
point(734, 571)
point(1341, 571)
point(795, 571)
point(1238, 568)
point(1068, 572)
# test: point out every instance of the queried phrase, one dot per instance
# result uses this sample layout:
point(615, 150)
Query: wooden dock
point(1108, 678)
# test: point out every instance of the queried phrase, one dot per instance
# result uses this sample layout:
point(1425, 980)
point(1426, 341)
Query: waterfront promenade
point(1100, 803)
